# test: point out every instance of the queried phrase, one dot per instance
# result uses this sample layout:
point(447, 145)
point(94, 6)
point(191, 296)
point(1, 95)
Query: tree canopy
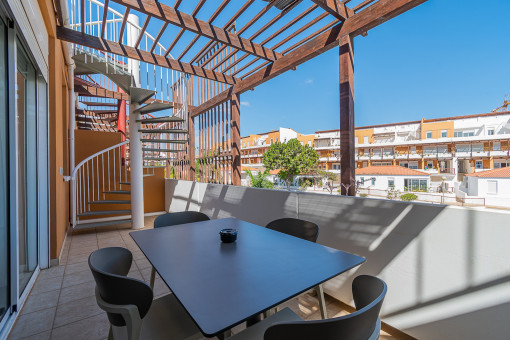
point(291, 159)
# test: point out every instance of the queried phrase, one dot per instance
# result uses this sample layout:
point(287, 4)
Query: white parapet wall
point(447, 268)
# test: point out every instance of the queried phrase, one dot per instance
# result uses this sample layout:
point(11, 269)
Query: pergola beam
point(97, 43)
point(361, 22)
point(188, 22)
point(336, 8)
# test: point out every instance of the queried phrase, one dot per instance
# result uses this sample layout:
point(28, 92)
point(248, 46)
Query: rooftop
point(494, 173)
point(385, 170)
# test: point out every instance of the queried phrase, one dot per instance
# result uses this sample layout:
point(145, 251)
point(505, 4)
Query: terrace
point(180, 76)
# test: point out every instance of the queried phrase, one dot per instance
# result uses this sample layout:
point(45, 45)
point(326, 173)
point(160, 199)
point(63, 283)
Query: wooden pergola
point(230, 62)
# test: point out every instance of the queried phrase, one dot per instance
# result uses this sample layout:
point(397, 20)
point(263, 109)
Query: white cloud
point(309, 81)
point(245, 103)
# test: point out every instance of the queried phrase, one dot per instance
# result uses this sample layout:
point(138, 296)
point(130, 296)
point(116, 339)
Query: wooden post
point(191, 147)
point(347, 165)
point(235, 135)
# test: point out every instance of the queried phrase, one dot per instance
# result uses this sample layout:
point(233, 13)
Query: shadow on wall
point(447, 268)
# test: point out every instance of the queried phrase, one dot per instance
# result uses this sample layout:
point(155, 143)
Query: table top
point(224, 284)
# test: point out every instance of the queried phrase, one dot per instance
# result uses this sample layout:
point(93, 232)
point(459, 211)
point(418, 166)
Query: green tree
point(291, 159)
point(260, 180)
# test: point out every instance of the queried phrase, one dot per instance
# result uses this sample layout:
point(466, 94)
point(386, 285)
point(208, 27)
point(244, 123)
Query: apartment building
point(446, 148)
point(254, 146)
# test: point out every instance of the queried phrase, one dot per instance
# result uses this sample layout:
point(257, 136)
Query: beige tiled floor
point(62, 305)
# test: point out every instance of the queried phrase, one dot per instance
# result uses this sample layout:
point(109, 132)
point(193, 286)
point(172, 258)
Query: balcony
point(499, 153)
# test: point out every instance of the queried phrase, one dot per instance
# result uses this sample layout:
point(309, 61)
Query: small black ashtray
point(228, 235)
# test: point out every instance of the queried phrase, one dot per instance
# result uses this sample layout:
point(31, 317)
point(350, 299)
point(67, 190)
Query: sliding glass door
point(4, 178)
point(26, 112)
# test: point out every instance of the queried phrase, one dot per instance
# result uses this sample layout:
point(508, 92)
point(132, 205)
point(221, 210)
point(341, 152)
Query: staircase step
point(139, 95)
point(164, 141)
point(168, 119)
point(111, 202)
point(104, 112)
point(104, 212)
point(154, 107)
point(84, 225)
point(118, 192)
point(98, 104)
point(160, 150)
point(163, 131)
point(157, 159)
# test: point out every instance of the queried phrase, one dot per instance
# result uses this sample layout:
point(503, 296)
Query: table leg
point(322, 302)
point(253, 320)
point(225, 335)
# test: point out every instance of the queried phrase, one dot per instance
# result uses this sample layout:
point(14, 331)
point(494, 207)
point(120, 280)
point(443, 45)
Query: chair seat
point(256, 332)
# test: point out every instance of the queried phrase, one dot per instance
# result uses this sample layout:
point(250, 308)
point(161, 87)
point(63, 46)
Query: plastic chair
point(364, 324)
point(305, 230)
point(176, 218)
point(129, 302)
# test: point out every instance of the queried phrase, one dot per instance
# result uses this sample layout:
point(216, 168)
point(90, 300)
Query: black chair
point(305, 230)
point(129, 302)
point(176, 218)
point(364, 324)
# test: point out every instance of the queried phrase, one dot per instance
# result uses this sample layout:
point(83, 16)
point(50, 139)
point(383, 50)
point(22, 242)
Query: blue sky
point(443, 58)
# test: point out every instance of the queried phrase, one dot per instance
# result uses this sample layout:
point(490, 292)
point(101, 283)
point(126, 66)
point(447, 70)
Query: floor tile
point(93, 328)
point(76, 310)
point(77, 292)
point(40, 336)
point(47, 284)
point(40, 301)
point(77, 267)
point(77, 278)
point(33, 323)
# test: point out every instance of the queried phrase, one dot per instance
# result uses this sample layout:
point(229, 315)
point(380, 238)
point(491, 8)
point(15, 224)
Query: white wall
point(447, 268)
point(381, 182)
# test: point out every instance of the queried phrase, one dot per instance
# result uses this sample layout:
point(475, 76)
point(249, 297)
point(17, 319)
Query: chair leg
point(225, 335)
point(322, 302)
point(110, 333)
point(153, 277)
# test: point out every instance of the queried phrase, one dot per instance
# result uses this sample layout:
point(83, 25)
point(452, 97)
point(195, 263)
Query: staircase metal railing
point(94, 177)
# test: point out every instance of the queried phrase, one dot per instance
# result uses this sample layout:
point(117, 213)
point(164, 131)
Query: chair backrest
point(368, 292)
point(182, 217)
point(110, 267)
point(295, 227)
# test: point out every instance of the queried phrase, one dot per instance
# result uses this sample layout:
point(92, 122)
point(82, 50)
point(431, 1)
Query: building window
point(430, 165)
point(492, 187)
point(415, 184)
point(429, 134)
point(413, 149)
point(365, 140)
point(444, 133)
point(468, 134)
point(309, 143)
point(490, 132)
point(496, 146)
point(457, 134)
point(271, 141)
point(479, 165)
point(391, 182)
point(373, 180)
point(276, 139)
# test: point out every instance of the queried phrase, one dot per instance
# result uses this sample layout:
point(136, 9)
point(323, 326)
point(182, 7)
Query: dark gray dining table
point(223, 284)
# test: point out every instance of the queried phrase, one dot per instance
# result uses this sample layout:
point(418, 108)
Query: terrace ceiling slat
point(186, 21)
point(259, 32)
point(160, 33)
point(371, 17)
point(142, 31)
point(211, 20)
point(336, 8)
point(97, 43)
point(275, 34)
point(123, 25)
point(362, 5)
point(105, 14)
point(242, 30)
point(226, 26)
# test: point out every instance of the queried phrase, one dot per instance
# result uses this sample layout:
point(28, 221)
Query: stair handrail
point(81, 182)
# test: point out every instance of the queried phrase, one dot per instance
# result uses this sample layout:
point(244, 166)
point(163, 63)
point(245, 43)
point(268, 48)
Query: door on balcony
point(4, 179)
point(26, 110)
